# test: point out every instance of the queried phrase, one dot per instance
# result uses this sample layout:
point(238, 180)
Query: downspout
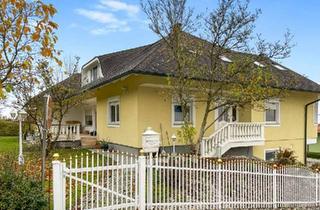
point(305, 127)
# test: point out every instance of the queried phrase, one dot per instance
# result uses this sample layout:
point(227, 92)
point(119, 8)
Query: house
point(128, 89)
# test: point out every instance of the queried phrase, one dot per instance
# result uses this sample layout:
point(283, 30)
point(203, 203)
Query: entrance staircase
point(232, 135)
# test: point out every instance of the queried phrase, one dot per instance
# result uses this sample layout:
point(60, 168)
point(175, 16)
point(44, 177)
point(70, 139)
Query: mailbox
point(150, 141)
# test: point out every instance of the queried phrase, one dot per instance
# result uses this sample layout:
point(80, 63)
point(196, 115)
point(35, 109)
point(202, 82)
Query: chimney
point(177, 28)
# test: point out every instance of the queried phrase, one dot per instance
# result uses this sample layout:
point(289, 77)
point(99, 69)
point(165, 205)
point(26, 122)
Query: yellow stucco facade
point(144, 102)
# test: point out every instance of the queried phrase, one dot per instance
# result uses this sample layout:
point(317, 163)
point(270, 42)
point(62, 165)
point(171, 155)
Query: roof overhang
point(92, 61)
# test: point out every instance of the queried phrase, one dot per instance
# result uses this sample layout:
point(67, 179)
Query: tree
point(27, 34)
point(64, 90)
point(66, 94)
point(203, 64)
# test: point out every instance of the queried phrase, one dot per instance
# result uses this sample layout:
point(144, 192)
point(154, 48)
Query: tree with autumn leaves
point(27, 35)
point(229, 66)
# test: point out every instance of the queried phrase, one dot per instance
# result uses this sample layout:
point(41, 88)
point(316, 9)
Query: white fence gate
point(96, 181)
point(122, 181)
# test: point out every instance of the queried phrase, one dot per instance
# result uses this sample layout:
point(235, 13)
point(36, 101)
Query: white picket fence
point(121, 181)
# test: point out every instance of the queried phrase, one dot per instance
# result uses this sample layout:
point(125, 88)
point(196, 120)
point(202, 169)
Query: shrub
point(285, 157)
point(17, 190)
point(315, 166)
point(315, 155)
point(9, 128)
point(104, 145)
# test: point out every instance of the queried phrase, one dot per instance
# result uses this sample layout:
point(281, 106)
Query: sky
point(93, 27)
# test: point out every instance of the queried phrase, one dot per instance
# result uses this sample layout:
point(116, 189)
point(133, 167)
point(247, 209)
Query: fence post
point(274, 188)
point(202, 147)
point(150, 181)
point(219, 183)
point(317, 187)
point(142, 180)
point(58, 184)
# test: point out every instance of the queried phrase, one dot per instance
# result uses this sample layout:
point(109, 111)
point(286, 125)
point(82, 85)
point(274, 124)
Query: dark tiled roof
point(152, 59)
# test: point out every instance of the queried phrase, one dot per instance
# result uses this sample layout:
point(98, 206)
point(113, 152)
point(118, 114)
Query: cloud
point(109, 21)
point(117, 5)
point(111, 16)
point(106, 30)
point(101, 17)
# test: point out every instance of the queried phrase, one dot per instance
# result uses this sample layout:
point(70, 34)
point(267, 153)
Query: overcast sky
point(93, 27)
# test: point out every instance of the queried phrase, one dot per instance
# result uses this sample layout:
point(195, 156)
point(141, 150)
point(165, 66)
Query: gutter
point(305, 127)
point(103, 82)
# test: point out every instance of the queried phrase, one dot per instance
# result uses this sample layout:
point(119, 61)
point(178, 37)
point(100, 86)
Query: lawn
point(32, 156)
point(315, 147)
point(8, 144)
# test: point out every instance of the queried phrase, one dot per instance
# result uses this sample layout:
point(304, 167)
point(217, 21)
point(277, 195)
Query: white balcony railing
point(70, 132)
point(232, 135)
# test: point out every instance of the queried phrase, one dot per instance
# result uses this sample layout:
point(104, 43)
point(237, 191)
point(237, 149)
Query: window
point(258, 64)
point(114, 111)
point(316, 113)
point(88, 118)
point(224, 58)
point(272, 113)
point(270, 154)
point(94, 73)
point(178, 116)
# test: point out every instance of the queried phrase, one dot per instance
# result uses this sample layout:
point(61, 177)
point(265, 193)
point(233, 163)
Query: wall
point(155, 110)
point(77, 113)
point(127, 132)
point(145, 102)
point(141, 106)
point(290, 132)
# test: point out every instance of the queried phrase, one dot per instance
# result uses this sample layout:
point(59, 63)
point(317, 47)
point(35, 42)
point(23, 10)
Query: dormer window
point(94, 74)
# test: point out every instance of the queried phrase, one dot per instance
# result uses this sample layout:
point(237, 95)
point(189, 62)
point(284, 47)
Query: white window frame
point(316, 113)
point(85, 120)
point(278, 113)
point(114, 101)
point(177, 124)
point(92, 79)
point(269, 150)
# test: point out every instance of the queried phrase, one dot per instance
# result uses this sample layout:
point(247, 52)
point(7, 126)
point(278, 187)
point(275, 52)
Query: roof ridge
point(149, 53)
point(125, 50)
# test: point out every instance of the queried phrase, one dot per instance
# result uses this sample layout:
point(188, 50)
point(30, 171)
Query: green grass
point(32, 152)
point(315, 147)
point(8, 144)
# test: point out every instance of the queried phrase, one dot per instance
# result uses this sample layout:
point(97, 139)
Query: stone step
point(89, 141)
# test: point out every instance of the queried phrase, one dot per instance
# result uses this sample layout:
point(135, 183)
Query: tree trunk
point(203, 126)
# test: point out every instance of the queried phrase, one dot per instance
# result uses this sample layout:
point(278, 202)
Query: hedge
point(9, 128)
point(315, 155)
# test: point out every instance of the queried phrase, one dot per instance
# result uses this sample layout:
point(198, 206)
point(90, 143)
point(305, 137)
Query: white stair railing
point(67, 132)
point(232, 135)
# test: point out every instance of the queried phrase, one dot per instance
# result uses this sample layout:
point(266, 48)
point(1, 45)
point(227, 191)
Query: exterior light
point(22, 115)
point(173, 138)
point(13, 115)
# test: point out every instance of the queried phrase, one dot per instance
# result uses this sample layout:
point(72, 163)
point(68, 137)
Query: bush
point(9, 128)
point(104, 145)
point(315, 155)
point(17, 190)
point(285, 157)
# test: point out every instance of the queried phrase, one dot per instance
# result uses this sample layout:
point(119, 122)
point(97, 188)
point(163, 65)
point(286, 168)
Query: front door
point(225, 116)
